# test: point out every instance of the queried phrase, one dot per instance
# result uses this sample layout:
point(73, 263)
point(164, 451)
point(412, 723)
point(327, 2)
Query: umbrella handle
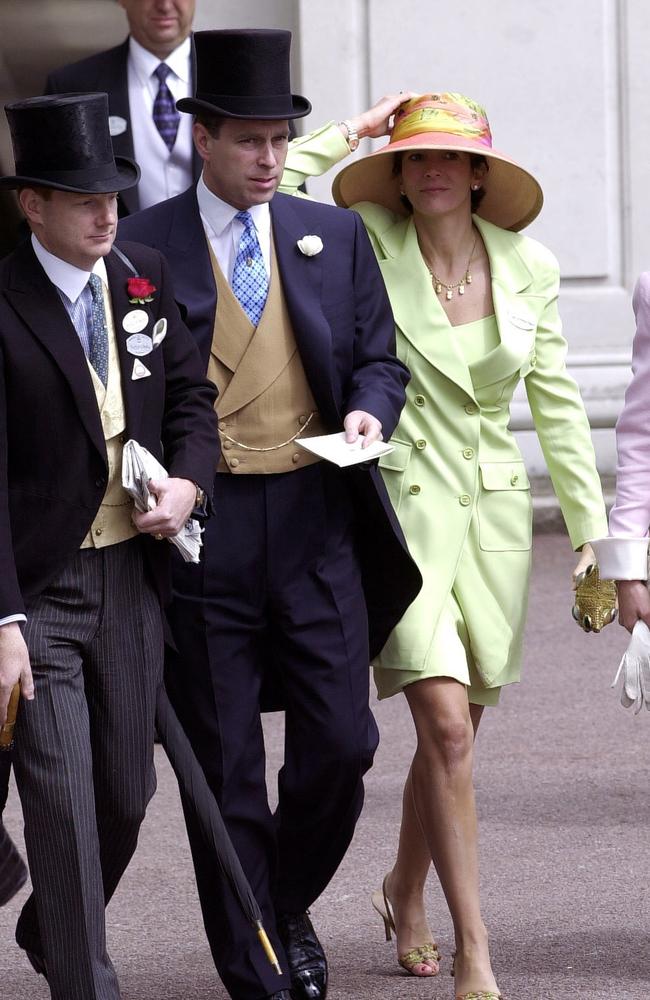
point(268, 948)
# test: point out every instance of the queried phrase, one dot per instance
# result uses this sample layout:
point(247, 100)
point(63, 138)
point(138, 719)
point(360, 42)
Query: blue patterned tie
point(250, 282)
point(165, 115)
point(98, 355)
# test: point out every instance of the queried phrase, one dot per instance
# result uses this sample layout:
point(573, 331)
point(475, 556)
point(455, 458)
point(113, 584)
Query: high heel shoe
point(422, 955)
point(481, 995)
point(473, 995)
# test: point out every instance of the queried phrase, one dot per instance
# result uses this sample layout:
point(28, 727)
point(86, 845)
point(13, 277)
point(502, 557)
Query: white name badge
point(116, 124)
point(135, 321)
point(159, 331)
point(521, 322)
point(139, 344)
point(139, 371)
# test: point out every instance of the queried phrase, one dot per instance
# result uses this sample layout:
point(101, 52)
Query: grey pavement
point(563, 786)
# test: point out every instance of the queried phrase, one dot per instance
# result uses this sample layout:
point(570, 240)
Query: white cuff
point(621, 558)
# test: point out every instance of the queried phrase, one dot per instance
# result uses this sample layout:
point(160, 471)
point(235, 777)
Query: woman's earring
point(475, 187)
point(401, 191)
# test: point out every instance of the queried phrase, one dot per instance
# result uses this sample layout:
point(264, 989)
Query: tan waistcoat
point(112, 522)
point(264, 401)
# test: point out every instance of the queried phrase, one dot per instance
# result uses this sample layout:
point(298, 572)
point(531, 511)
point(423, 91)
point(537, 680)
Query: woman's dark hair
point(476, 160)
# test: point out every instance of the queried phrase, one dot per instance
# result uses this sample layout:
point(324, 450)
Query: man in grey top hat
point(82, 575)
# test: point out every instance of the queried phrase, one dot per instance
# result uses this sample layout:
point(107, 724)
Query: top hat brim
point(249, 108)
point(126, 174)
point(512, 199)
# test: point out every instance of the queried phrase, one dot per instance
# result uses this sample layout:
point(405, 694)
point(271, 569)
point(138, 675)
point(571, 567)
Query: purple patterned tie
point(165, 115)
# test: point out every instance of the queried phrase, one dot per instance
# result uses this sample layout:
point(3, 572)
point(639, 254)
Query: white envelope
point(334, 448)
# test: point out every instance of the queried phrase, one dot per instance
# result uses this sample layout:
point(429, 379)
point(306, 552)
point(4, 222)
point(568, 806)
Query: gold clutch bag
point(595, 600)
point(7, 730)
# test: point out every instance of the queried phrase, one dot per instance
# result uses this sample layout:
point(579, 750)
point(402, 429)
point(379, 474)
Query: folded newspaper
point(138, 467)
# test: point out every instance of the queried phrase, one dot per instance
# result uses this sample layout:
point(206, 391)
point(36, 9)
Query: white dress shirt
point(224, 231)
point(163, 173)
point(68, 280)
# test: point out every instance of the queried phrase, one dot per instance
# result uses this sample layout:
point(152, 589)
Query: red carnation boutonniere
point(140, 290)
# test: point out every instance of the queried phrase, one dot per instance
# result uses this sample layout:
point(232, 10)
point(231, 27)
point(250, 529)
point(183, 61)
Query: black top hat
point(63, 142)
point(244, 73)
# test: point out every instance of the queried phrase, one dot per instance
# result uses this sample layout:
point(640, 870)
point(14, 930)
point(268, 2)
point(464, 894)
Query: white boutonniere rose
point(310, 245)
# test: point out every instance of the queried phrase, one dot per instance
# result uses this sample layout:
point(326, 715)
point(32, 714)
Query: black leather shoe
point(305, 955)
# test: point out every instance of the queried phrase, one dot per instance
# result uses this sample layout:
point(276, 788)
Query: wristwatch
point(353, 135)
point(199, 501)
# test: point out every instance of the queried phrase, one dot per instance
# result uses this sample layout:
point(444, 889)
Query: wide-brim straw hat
point(512, 199)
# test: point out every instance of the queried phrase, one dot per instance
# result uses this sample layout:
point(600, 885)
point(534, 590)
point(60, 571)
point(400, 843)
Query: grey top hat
point(63, 142)
point(244, 73)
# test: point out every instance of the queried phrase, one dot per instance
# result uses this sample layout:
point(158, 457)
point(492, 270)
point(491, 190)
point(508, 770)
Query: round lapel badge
point(139, 344)
point(135, 321)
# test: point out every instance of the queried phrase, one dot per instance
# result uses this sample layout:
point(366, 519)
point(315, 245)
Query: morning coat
point(345, 335)
point(53, 464)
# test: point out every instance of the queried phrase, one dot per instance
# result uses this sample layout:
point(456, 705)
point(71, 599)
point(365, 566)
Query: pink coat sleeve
point(630, 515)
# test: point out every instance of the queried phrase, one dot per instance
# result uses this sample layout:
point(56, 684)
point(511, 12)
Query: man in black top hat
point(305, 569)
point(82, 575)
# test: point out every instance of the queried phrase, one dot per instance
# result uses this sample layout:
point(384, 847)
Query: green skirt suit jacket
point(456, 476)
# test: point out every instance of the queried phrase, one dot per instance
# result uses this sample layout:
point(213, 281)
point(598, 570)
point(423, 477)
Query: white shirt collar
point(68, 279)
point(145, 63)
point(219, 214)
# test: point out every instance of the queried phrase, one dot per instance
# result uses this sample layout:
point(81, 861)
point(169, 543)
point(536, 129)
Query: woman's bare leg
point(439, 822)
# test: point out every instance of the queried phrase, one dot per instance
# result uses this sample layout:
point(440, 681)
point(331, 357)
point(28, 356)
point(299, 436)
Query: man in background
point(144, 77)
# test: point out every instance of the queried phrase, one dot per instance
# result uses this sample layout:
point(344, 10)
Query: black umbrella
point(193, 782)
point(7, 730)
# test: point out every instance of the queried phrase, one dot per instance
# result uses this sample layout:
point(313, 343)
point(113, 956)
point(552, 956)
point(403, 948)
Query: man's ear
point(31, 202)
point(202, 140)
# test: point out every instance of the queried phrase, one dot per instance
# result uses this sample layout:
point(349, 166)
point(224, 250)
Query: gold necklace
point(466, 279)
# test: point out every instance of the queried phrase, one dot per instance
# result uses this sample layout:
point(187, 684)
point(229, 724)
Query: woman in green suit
point(475, 307)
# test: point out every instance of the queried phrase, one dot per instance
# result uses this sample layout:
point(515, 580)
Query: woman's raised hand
point(376, 121)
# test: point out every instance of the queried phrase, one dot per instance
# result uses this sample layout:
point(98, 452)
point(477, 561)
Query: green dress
point(450, 651)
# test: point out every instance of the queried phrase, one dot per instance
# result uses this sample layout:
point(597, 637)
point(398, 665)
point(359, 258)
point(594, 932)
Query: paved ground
point(564, 801)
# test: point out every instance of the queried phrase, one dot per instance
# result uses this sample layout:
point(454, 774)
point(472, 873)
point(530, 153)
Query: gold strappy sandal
point(481, 995)
point(421, 955)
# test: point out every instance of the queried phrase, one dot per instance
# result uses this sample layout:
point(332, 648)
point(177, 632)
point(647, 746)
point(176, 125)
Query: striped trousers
point(83, 757)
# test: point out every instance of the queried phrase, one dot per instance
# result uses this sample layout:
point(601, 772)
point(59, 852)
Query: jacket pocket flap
point(504, 476)
point(398, 458)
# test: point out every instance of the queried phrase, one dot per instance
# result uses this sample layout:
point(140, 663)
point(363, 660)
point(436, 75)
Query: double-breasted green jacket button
point(414, 489)
point(419, 399)
point(420, 444)
point(468, 453)
point(465, 500)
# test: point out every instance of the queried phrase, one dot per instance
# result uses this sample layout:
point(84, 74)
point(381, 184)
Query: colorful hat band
point(449, 117)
